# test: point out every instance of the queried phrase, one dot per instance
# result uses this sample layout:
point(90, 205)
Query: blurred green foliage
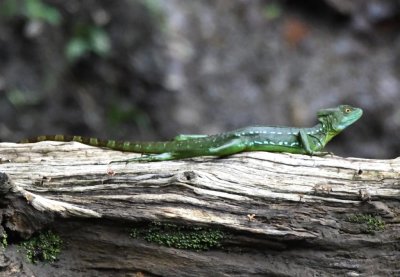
point(87, 39)
point(153, 6)
point(272, 11)
point(128, 113)
point(4, 241)
point(22, 98)
point(32, 10)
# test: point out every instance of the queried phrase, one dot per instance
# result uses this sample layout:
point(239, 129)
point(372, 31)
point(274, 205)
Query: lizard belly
point(277, 148)
point(210, 146)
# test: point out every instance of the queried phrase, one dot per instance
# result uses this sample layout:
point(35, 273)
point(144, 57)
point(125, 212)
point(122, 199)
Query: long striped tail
point(127, 146)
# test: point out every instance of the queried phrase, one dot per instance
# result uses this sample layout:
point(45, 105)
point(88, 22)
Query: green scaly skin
point(308, 141)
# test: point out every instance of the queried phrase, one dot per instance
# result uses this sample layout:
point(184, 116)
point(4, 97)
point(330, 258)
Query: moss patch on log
point(4, 241)
point(181, 237)
point(44, 247)
point(372, 223)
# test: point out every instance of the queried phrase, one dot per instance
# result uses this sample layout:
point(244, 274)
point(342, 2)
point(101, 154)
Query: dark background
point(151, 69)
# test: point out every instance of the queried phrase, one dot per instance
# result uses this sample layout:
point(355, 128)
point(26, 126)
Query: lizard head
point(339, 118)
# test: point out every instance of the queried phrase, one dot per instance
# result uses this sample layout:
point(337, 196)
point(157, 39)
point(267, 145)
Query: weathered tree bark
point(287, 215)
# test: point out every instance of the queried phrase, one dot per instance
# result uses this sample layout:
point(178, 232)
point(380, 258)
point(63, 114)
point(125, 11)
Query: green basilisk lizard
point(256, 138)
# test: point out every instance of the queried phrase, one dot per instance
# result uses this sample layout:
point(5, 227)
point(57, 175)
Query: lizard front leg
point(308, 145)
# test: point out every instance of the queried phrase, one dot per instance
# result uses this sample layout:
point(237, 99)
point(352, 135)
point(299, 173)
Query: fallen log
point(258, 213)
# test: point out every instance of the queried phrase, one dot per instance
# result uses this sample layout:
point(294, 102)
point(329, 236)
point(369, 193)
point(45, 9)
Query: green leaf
point(99, 41)
point(52, 16)
point(32, 10)
point(9, 8)
point(36, 9)
point(76, 48)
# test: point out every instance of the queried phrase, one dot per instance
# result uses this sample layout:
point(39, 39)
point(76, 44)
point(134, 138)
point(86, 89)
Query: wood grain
point(281, 209)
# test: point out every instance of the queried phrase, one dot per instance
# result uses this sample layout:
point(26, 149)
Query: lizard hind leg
point(228, 148)
point(149, 158)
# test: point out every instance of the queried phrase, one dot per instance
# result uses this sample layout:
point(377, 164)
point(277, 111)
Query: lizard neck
point(325, 132)
point(321, 134)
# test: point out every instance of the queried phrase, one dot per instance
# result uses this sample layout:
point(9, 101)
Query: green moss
point(44, 248)
point(373, 223)
point(181, 237)
point(4, 242)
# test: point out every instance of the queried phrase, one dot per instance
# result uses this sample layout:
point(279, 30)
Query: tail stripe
point(77, 138)
point(93, 141)
point(40, 138)
point(130, 146)
point(126, 145)
point(110, 144)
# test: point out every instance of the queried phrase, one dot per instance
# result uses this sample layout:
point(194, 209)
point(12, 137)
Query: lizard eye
point(347, 110)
